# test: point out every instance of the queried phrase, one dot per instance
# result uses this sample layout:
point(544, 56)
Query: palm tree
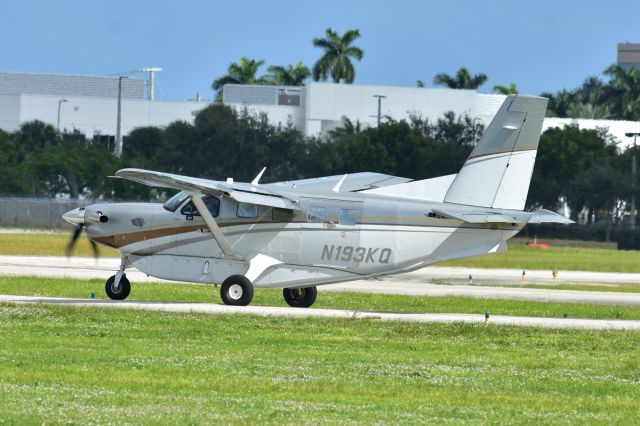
point(336, 59)
point(462, 80)
point(504, 90)
point(420, 83)
point(289, 76)
point(243, 72)
point(623, 92)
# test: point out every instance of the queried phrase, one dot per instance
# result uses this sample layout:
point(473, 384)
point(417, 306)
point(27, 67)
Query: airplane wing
point(241, 192)
point(353, 182)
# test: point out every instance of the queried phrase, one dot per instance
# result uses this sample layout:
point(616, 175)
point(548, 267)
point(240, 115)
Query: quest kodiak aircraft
point(298, 234)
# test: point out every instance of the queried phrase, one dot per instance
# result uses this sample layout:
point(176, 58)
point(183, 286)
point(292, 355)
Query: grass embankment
point(71, 365)
point(32, 286)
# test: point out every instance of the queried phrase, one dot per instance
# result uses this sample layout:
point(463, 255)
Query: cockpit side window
point(212, 203)
point(174, 202)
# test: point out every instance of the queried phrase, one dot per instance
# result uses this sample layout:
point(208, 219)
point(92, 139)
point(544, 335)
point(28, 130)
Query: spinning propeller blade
point(74, 240)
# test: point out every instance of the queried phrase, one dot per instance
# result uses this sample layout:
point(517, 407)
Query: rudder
point(498, 172)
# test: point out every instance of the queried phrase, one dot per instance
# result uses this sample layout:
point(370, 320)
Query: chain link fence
point(36, 212)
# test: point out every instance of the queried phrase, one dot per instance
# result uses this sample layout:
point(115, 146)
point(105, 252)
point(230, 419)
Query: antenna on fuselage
point(339, 184)
point(257, 178)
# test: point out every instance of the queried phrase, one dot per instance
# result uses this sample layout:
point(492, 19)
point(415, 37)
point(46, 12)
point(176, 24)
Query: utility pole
point(151, 71)
point(380, 97)
point(59, 105)
point(118, 150)
point(634, 172)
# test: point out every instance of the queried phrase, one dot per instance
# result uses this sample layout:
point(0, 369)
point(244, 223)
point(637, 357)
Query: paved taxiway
point(209, 308)
point(418, 283)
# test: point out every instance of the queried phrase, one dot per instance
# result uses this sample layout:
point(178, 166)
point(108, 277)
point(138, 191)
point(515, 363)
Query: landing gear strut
point(120, 291)
point(236, 290)
point(300, 297)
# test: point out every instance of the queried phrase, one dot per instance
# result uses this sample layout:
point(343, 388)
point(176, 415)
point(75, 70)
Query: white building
point(89, 104)
point(86, 103)
point(319, 107)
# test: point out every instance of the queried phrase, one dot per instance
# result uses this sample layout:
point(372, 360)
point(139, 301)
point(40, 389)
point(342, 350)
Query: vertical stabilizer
point(498, 171)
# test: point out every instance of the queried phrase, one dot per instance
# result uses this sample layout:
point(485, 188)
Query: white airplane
point(299, 234)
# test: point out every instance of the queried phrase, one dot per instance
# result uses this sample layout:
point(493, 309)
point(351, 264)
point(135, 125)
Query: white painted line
point(209, 308)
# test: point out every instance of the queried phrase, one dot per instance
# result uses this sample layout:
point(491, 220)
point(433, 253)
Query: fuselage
point(331, 237)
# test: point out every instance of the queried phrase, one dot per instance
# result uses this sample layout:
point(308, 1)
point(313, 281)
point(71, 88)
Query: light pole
point(380, 98)
point(59, 105)
point(634, 171)
point(118, 150)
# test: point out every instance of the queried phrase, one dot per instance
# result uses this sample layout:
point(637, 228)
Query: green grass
point(622, 288)
point(520, 256)
point(330, 300)
point(48, 244)
point(87, 365)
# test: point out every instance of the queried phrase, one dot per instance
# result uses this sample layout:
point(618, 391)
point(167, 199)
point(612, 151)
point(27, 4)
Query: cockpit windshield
point(174, 202)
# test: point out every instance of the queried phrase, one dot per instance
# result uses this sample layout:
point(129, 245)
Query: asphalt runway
point(266, 311)
point(418, 283)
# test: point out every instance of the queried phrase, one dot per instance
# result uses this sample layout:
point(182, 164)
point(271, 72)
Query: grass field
point(567, 258)
point(351, 301)
point(68, 365)
point(48, 244)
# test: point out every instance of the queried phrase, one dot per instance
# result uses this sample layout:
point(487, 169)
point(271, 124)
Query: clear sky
point(541, 45)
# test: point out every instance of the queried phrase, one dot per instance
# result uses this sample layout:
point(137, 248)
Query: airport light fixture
point(60, 105)
point(118, 150)
point(634, 172)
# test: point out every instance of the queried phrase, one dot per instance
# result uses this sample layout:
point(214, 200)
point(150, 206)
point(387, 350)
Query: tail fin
point(498, 171)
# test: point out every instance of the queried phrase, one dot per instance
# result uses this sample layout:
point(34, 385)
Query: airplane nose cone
point(75, 216)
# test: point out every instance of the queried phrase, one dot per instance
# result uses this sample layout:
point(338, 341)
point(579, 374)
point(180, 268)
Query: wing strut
point(213, 226)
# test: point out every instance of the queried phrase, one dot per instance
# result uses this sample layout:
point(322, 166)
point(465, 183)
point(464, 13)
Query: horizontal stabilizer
point(477, 217)
point(547, 216)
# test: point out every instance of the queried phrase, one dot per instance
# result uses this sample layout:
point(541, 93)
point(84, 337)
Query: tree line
point(583, 168)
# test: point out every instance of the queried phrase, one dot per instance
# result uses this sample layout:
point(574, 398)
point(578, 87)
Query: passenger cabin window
point(348, 217)
point(247, 210)
point(282, 214)
point(316, 214)
point(212, 203)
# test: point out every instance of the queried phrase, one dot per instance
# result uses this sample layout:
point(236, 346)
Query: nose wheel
point(120, 291)
point(302, 297)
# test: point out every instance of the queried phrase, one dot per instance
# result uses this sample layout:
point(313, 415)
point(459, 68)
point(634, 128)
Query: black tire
point(123, 290)
point(302, 297)
point(236, 290)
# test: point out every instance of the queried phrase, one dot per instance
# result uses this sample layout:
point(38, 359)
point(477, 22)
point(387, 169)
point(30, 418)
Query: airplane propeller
point(77, 217)
point(74, 239)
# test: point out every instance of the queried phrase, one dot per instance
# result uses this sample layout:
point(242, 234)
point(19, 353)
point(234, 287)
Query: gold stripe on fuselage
point(120, 240)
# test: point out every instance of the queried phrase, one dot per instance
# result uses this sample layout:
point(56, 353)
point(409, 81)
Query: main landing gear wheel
point(236, 290)
point(300, 297)
point(118, 293)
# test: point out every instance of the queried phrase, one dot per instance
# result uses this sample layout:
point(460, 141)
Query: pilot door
point(192, 236)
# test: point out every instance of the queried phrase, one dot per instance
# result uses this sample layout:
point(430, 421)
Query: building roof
point(14, 83)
